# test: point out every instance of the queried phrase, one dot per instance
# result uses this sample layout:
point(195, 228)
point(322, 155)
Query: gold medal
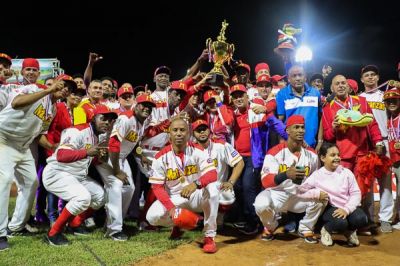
point(397, 145)
point(182, 179)
point(139, 150)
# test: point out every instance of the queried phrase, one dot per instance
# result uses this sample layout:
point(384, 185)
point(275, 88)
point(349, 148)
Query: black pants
point(357, 219)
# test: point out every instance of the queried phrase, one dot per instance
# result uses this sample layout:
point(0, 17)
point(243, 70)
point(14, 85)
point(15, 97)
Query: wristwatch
point(198, 184)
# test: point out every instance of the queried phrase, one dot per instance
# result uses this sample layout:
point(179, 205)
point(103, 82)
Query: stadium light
point(303, 54)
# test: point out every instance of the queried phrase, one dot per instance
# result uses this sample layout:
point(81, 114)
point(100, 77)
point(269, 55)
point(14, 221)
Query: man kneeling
point(184, 177)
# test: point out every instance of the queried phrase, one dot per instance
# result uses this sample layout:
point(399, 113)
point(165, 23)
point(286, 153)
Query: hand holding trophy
point(219, 52)
point(287, 41)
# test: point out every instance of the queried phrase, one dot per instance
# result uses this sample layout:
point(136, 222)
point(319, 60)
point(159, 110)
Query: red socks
point(60, 222)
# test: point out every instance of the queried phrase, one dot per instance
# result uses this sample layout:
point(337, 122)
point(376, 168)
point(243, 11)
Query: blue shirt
point(308, 105)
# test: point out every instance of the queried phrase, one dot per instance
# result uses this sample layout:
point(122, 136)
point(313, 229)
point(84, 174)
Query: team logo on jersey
point(234, 153)
point(173, 174)
point(284, 167)
point(132, 136)
point(215, 162)
point(40, 112)
point(377, 105)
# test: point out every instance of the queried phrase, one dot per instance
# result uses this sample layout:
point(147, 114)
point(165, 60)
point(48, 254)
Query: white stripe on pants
point(269, 203)
point(22, 164)
point(202, 200)
point(118, 195)
point(81, 192)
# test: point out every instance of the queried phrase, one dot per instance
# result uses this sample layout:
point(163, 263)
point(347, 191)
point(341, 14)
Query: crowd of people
point(240, 152)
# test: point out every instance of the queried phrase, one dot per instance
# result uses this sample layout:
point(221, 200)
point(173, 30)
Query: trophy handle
point(208, 42)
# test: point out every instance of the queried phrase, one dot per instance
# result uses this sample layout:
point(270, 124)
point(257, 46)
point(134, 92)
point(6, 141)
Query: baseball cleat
point(57, 240)
point(119, 236)
point(176, 233)
point(209, 245)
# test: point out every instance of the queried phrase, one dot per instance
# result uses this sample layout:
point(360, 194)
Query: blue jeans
point(246, 190)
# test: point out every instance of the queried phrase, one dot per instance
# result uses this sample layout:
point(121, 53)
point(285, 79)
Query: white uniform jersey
point(112, 105)
point(375, 102)
point(169, 170)
point(75, 138)
point(252, 92)
point(280, 158)
point(19, 127)
point(159, 114)
point(6, 94)
point(223, 155)
point(128, 131)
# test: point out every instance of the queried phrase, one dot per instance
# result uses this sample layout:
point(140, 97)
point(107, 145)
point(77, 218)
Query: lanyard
point(350, 103)
point(181, 166)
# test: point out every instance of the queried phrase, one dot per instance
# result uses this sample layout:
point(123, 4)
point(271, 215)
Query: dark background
point(135, 40)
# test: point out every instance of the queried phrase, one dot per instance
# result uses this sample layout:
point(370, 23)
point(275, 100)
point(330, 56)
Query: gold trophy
point(219, 52)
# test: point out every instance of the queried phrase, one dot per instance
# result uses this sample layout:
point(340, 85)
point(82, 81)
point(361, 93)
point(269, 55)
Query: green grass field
point(90, 250)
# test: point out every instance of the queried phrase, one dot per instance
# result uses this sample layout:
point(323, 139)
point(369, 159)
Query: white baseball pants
point(118, 195)
point(202, 200)
point(81, 192)
point(270, 203)
point(23, 165)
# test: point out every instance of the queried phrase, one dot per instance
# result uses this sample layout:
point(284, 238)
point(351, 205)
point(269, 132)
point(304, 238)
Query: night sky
point(134, 41)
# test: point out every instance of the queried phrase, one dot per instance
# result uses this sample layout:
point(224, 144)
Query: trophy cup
point(219, 52)
point(287, 41)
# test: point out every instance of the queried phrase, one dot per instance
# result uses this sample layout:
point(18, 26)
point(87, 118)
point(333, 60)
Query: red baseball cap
point(237, 87)
point(144, 98)
point(6, 57)
point(243, 65)
point(178, 85)
point(295, 120)
point(260, 66)
point(162, 69)
point(353, 85)
point(276, 78)
point(68, 80)
point(208, 95)
point(30, 62)
point(101, 109)
point(263, 78)
point(391, 94)
point(198, 123)
point(123, 90)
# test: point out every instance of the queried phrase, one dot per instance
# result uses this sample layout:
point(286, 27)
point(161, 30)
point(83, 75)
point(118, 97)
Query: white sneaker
point(326, 238)
point(396, 226)
point(352, 239)
point(89, 222)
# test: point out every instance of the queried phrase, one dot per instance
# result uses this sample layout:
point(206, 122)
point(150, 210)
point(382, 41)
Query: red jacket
point(61, 121)
point(354, 141)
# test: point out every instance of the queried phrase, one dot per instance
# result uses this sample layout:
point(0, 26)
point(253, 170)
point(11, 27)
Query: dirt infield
point(382, 249)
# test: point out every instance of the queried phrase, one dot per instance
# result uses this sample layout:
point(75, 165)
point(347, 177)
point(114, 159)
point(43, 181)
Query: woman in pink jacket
point(338, 185)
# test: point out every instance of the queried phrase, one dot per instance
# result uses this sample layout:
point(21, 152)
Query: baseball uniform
point(280, 192)
point(19, 127)
point(127, 132)
point(375, 102)
point(173, 172)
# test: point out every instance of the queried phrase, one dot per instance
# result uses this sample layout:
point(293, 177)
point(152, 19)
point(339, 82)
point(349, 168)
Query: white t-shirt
point(169, 170)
